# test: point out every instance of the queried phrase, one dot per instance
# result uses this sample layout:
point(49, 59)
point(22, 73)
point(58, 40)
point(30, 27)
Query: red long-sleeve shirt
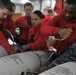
point(46, 19)
point(24, 23)
point(4, 42)
point(9, 24)
point(39, 40)
point(53, 27)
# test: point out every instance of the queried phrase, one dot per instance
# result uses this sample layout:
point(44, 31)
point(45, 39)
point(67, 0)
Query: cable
point(10, 35)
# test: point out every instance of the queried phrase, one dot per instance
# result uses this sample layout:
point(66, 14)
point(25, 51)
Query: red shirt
point(3, 34)
point(46, 19)
point(5, 44)
point(53, 27)
point(36, 39)
point(24, 23)
point(9, 24)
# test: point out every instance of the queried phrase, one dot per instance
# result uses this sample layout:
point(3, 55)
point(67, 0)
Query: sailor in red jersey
point(63, 26)
point(36, 39)
point(24, 24)
point(48, 16)
point(4, 12)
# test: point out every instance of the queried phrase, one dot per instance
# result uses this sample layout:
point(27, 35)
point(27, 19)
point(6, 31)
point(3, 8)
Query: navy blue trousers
point(69, 55)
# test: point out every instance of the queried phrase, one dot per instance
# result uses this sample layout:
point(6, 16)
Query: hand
point(25, 48)
point(65, 33)
point(50, 42)
point(22, 49)
point(44, 68)
point(41, 69)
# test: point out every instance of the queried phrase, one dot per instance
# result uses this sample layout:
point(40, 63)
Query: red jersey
point(9, 24)
point(46, 19)
point(24, 23)
point(36, 39)
point(5, 44)
point(53, 27)
point(4, 41)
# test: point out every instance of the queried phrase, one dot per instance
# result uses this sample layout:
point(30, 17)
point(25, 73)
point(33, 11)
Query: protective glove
point(25, 48)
